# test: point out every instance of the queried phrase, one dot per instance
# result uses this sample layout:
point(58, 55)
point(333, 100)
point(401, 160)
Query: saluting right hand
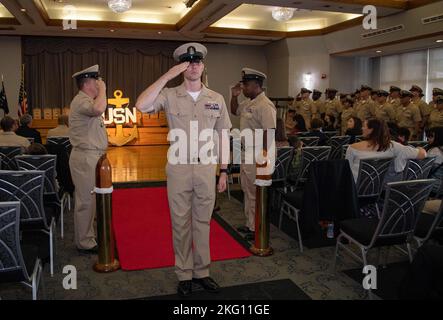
point(177, 70)
point(101, 85)
point(236, 90)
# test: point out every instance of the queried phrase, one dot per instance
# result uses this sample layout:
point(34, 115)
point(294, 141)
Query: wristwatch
point(224, 170)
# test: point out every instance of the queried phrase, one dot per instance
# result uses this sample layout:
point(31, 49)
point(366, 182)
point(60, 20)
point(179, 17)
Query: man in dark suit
point(25, 131)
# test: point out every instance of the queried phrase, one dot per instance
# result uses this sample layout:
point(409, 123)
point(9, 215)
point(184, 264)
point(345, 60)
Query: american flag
point(22, 97)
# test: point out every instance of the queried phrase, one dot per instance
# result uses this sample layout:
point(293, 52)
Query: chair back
point(337, 144)
point(417, 169)
point(26, 187)
point(371, 175)
point(46, 163)
point(282, 164)
point(310, 141)
point(309, 155)
point(63, 141)
point(416, 144)
point(8, 154)
point(330, 134)
point(11, 258)
point(403, 204)
point(436, 225)
point(344, 149)
point(359, 138)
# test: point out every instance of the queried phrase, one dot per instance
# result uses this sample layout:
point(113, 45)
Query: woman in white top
point(377, 144)
point(435, 148)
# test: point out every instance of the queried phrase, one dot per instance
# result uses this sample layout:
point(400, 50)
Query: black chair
point(31, 140)
point(310, 141)
point(429, 225)
point(416, 144)
point(330, 134)
point(403, 203)
point(370, 181)
point(8, 154)
point(61, 141)
point(51, 199)
point(344, 150)
point(417, 169)
point(18, 263)
point(359, 138)
point(27, 187)
point(308, 155)
point(337, 143)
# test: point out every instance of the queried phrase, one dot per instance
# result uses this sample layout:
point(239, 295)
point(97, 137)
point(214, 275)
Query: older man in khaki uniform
point(435, 93)
point(408, 114)
point(384, 110)
point(305, 107)
point(190, 109)
point(394, 97)
point(365, 107)
point(8, 138)
point(258, 112)
point(89, 140)
point(424, 108)
point(318, 104)
point(436, 117)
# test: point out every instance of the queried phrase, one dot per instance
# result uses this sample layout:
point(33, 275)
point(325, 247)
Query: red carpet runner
point(143, 231)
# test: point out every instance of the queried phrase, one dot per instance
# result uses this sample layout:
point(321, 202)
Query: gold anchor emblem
point(120, 139)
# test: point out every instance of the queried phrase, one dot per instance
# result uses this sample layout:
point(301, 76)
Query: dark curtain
point(127, 65)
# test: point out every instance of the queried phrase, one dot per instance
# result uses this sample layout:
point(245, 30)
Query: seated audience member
point(329, 123)
point(435, 149)
point(393, 130)
point(299, 124)
point(290, 123)
point(353, 128)
point(403, 135)
point(62, 130)
point(36, 149)
point(25, 131)
point(281, 140)
point(316, 131)
point(8, 138)
point(378, 144)
point(296, 143)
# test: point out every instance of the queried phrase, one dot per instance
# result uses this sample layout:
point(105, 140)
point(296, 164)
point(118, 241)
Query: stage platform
point(138, 163)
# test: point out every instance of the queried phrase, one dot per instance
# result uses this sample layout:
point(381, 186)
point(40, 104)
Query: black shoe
point(250, 236)
point(243, 229)
point(93, 250)
point(184, 288)
point(208, 284)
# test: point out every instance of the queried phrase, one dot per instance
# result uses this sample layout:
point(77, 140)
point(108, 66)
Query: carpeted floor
point(310, 271)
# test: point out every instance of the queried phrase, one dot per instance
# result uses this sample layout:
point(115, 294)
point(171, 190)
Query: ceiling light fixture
point(378, 51)
point(439, 41)
point(283, 14)
point(119, 6)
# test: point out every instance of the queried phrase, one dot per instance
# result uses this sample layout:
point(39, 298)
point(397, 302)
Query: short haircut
point(7, 123)
point(63, 120)
point(316, 123)
point(404, 132)
point(36, 149)
point(258, 81)
point(25, 119)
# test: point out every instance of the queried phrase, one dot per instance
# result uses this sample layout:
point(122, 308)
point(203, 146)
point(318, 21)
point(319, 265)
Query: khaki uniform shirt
point(407, 117)
point(306, 109)
point(60, 131)
point(345, 116)
point(209, 111)
point(365, 109)
point(86, 130)
point(319, 108)
point(425, 111)
point(332, 107)
point(10, 139)
point(385, 112)
point(436, 118)
point(395, 103)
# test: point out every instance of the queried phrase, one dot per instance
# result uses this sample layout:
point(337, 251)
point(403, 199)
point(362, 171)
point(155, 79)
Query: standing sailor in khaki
point(89, 140)
point(256, 113)
point(435, 93)
point(425, 111)
point(332, 106)
point(436, 117)
point(365, 108)
point(190, 109)
point(318, 105)
point(347, 113)
point(408, 114)
point(384, 110)
point(394, 97)
point(305, 107)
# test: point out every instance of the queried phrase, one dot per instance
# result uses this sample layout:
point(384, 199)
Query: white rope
point(263, 183)
point(103, 190)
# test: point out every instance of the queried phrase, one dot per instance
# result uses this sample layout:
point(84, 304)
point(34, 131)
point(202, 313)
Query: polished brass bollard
point(107, 261)
point(261, 245)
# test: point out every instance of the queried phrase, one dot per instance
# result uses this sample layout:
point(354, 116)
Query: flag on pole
point(3, 100)
point(22, 97)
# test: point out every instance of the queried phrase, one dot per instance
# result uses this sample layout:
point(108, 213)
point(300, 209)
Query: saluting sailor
point(191, 192)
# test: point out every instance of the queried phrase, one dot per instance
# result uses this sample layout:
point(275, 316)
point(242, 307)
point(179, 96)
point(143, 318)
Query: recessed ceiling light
point(159, 32)
point(439, 41)
point(23, 10)
point(112, 30)
point(379, 51)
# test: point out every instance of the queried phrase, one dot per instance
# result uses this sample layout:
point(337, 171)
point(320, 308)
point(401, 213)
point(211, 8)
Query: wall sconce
point(307, 80)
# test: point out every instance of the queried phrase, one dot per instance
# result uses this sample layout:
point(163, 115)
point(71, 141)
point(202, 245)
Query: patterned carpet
point(311, 271)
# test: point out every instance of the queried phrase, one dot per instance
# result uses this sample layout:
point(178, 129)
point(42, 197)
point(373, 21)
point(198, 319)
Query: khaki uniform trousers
point(82, 164)
point(191, 197)
point(247, 177)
